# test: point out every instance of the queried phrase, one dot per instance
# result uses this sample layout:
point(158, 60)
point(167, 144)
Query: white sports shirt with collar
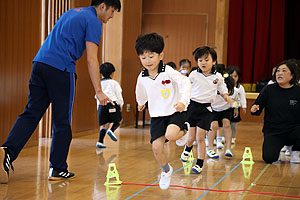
point(167, 88)
point(205, 87)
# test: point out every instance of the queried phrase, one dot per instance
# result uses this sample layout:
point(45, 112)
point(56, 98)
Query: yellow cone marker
point(247, 157)
point(112, 173)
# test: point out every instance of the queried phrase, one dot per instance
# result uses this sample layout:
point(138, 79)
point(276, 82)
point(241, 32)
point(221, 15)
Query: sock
point(115, 126)
point(219, 139)
point(188, 149)
point(102, 134)
point(166, 167)
point(200, 162)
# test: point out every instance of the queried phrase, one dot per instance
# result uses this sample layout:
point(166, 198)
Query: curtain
point(255, 38)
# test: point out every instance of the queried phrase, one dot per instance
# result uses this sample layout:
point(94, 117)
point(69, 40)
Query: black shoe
point(6, 163)
point(55, 175)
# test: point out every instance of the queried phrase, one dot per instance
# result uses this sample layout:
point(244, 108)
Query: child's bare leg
point(212, 134)
point(201, 143)
point(158, 150)
point(227, 133)
point(192, 136)
point(173, 132)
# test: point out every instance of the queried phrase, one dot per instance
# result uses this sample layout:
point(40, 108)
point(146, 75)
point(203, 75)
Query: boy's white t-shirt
point(205, 87)
point(164, 90)
point(112, 90)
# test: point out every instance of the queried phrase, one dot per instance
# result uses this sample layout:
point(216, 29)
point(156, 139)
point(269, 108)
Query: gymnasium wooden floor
point(135, 164)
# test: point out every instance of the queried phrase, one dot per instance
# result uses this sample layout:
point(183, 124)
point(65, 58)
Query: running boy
point(205, 84)
point(109, 113)
point(168, 94)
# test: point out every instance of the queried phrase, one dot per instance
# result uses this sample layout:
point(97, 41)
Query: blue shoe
point(228, 154)
point(212, 154)
point(100, 145)
point(112, 135)
point(197, 169)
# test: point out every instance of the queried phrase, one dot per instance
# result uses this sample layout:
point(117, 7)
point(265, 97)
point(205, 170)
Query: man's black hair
point(116, 4)
point(151, 42)
point(106, 69)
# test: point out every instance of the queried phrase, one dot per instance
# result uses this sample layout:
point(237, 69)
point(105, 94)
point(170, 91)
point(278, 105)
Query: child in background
point(185, 67)
point(109, 113)
point(168, 95)
point(235, 73)
point(205, 84)
point(172, 64)
point(221, 116)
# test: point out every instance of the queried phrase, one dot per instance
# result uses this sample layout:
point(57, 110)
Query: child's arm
point(185, 89)
point(141, 95)
point(243, 99)
point(118, 93)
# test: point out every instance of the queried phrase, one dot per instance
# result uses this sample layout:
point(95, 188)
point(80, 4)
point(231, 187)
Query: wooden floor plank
point(135, 163)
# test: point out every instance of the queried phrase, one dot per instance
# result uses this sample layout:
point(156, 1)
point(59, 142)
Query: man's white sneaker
point(220, 145)
point(165, 179)
point(295, 157)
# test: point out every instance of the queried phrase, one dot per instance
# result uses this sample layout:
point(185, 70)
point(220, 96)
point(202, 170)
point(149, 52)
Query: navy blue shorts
point(220, 115)
point(159, 124)
point(109, 114)
point(199, 114)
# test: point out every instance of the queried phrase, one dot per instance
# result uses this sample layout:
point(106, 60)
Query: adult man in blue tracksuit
point(53, 81)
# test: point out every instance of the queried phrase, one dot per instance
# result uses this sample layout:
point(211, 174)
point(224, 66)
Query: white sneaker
point(284, 148)
point(197, 169)
point(165, 179)
point(182, 141)
point(228, 154)
point(100, 145)
point(184, 156)
point(212, 154)
point(220, 145)
point(295, 157)
point(223, 140)
point(233, 140)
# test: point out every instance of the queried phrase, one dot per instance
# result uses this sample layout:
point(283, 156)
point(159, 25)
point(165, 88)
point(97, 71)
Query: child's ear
point(161, 56)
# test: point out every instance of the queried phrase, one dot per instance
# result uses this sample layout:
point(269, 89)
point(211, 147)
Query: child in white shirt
point(109, 113)
point(205, 84)
point(168, 95)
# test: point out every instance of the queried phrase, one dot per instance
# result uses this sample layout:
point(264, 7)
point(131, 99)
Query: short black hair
point(185, 60)
point(229, 81)
point(231, 68)
point(149, 42)
point(106, 69)
point(220, 68)
point(172, 64)
point(293, 66)
point(205, 50)
point(116, 4)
